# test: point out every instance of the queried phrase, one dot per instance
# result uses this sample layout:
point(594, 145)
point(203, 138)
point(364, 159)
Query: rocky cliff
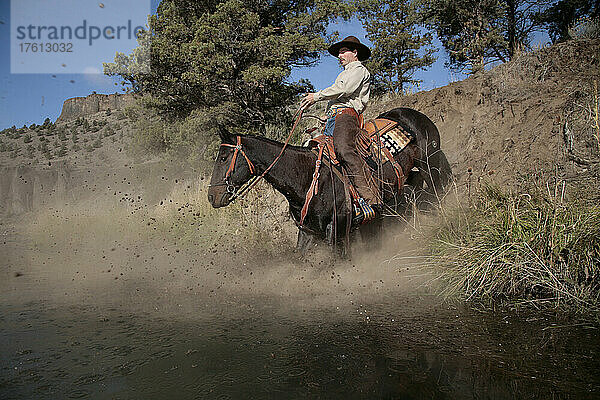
point(25, 188)
point(92, 104)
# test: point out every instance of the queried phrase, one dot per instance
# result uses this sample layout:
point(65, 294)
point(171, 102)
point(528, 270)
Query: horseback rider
point(347, 99)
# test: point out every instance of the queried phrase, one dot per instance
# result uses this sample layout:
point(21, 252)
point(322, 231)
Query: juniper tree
point(477, 32)
point(563, 14)
point(401, 46)
point(62, 151)
point(227, 60)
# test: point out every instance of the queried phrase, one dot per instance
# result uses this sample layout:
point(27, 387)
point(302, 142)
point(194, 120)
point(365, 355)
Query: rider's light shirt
point(351, 88)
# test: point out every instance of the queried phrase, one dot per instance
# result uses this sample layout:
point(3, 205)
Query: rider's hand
point(307, 101)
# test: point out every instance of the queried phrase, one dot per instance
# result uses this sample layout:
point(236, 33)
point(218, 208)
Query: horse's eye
point(224, 158)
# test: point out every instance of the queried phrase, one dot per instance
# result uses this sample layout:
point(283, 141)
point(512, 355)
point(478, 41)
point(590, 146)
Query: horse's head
point(232, 169)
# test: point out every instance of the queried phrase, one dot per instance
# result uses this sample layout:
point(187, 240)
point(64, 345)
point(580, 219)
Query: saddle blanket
point(393, 139)
point(392, 136)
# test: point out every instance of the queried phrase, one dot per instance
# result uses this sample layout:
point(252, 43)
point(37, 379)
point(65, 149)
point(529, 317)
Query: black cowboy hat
point(351, 42)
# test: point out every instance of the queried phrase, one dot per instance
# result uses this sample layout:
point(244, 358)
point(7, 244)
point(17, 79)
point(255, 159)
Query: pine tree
point(401, 45)
point(562, 15)
point(477, 32)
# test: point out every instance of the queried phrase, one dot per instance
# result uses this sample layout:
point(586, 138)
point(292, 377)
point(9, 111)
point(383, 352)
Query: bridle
point(230, 188)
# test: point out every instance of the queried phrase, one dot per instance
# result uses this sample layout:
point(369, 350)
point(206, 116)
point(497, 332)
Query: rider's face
point(346, 56)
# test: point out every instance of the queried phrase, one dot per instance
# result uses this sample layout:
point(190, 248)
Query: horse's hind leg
point(440, 171)
point(435, 170)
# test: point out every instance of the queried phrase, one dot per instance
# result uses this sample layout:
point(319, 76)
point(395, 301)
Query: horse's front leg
point(304, 241)
point(370, 234)
point(336, 238)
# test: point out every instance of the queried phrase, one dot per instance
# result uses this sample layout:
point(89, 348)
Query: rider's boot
point(365, 212)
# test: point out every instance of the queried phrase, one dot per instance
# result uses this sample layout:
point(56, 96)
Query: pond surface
point(264, 349)
point(68, 330)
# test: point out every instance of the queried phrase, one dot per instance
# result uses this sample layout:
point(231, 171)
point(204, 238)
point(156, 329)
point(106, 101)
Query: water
point(130, 322)
point(264, 349)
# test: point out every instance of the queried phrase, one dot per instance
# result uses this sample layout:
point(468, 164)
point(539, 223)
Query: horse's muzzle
point(218, 200)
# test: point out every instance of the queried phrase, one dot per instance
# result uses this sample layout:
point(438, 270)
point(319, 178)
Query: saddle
point(378, 143)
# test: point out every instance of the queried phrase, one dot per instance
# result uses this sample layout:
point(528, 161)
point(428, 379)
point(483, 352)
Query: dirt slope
point(531, 115)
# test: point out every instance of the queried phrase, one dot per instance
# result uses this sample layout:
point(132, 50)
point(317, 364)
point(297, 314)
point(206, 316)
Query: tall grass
point(536, 247)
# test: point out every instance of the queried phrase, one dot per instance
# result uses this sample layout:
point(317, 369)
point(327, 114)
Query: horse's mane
point(278, 143)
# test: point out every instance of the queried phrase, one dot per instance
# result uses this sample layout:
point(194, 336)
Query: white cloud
point(95, 76)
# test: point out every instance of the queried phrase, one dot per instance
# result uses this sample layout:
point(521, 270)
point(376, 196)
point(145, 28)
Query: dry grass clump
point(534, 247)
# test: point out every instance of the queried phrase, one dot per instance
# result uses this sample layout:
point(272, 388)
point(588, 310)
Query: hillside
point(88, 132)
point(535, 115)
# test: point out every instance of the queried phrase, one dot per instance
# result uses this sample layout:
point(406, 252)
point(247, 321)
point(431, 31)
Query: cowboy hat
point(351, 42)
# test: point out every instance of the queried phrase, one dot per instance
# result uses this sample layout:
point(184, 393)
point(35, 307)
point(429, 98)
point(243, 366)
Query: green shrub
point(43, 147)
point(585, 28)
point(149, 131)
point(522, 246)
point(109, 131)
point(98, 142)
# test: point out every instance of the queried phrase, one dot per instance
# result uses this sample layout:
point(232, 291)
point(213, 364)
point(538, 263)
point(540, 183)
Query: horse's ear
point(225, 135)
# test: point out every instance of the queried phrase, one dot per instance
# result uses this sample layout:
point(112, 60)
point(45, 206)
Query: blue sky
point(30, 98)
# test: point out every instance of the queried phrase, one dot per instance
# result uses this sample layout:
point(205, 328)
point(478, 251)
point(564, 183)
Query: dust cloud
point(176, 253)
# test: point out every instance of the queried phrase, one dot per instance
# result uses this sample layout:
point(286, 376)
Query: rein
point(238, 148)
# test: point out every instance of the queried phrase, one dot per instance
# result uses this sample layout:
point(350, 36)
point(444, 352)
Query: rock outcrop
point(24, 188)
point(83, 106)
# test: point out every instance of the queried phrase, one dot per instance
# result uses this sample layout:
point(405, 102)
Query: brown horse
point(243, 156)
